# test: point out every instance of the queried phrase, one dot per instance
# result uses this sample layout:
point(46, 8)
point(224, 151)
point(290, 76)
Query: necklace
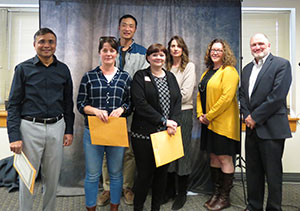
point(158, 75)
point(203, 83)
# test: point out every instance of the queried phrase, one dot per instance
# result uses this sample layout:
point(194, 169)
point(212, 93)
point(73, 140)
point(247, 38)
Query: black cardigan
point(147, 115)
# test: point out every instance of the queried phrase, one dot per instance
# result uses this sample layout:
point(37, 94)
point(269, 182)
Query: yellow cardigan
point(221, 103)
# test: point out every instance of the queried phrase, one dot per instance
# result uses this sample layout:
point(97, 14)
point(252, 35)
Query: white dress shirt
point(255, 71)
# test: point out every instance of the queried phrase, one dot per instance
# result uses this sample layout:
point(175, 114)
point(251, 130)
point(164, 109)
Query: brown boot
point(91, 208)
point(224, 199)
point(104, 198)
point(216, 176)
point(114, 207)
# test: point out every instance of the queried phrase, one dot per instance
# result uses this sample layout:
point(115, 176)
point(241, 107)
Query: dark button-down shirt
point(40, 91)
point(97, 92)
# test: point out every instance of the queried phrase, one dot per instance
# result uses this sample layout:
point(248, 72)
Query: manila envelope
point(112, 133)
point(166, 148)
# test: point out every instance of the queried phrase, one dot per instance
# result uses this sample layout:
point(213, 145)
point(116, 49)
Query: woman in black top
point(157, 100)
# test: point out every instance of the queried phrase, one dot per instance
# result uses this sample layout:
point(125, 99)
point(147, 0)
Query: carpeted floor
point(9, 201)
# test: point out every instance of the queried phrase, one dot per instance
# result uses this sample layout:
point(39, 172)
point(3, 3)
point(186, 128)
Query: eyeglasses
point(106, 38)
point(218, 51)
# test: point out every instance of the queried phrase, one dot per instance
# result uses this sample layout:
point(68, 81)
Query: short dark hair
point(110, 40)
point(43, 31)
point(155, 48)
point(128, 16)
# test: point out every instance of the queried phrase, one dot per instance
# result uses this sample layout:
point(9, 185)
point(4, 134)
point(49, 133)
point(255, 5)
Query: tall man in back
point(40, 115)
point(131, 58)
point(264, 87)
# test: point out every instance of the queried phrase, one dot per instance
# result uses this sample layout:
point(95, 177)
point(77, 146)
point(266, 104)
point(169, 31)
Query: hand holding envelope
point(110, 133)
point(167, 148)
point(171, 127)
point(101, 114)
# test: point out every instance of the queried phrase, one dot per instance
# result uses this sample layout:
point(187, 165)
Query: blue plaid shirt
point(97, 92)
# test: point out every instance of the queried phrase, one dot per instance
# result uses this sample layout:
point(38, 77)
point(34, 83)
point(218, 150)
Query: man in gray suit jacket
point(264, 87)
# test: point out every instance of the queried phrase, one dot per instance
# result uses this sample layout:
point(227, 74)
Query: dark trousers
point(148, 176)
point(263, 160)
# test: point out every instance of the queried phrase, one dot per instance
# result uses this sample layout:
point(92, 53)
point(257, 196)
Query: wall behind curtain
point(78, 25)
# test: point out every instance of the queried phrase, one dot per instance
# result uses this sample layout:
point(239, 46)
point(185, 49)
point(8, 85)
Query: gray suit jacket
point(268, 99)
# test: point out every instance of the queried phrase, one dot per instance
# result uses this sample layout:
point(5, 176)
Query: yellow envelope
point(166, 148)
point(112, 133)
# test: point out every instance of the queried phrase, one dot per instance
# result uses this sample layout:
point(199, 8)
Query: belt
point(44, 120)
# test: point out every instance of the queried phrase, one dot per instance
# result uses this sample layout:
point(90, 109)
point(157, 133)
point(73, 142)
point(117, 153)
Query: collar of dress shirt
point(261, 61)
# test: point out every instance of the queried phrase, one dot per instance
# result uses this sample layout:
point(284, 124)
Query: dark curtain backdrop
point(79, 24)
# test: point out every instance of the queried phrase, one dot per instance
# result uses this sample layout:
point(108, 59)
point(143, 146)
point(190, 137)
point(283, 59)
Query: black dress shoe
point(179, 202)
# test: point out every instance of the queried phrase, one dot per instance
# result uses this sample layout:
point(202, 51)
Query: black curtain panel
point(79, 24)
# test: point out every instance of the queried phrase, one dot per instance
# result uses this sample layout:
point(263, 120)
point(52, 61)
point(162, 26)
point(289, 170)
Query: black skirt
point(212, 142)
point(183, 166)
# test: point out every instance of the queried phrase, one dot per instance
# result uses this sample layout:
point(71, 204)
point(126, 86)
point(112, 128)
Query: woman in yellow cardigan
point(217, 110)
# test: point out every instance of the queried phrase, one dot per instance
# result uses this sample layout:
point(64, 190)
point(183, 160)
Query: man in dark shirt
point(40, 115)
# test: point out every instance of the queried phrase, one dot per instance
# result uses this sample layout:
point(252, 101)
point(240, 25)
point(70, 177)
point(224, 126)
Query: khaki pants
point(43, 146)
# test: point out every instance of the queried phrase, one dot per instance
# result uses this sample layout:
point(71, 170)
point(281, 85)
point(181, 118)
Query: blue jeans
point(93, 169)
